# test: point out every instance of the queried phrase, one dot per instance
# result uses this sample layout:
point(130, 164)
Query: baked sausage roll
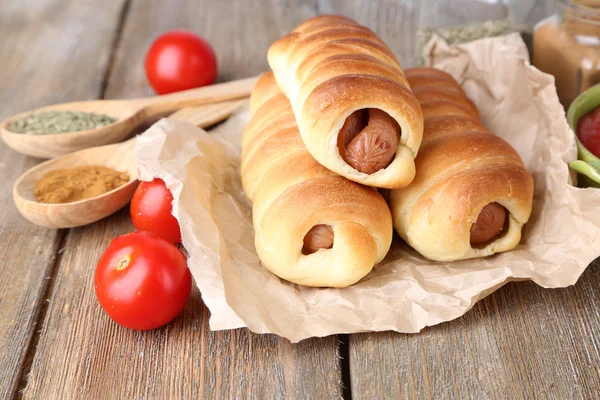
point(312, 226)
point(353, 105)
point(471, 194)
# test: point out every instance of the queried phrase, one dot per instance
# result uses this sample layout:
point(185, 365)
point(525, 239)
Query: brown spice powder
point(78, 183)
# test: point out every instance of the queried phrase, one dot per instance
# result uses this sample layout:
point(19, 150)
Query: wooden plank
point(521, 342)
point(45, 59)
point(81, 353)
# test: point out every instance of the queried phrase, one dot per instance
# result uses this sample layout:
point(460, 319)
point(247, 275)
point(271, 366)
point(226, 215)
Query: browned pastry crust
point(462, 169)
point(312, 226)
point(330, 67)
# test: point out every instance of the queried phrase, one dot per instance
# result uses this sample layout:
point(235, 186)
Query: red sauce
point(588, 131)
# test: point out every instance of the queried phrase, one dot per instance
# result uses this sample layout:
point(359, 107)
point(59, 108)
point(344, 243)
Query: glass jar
point(567, 45)
point(485, 18)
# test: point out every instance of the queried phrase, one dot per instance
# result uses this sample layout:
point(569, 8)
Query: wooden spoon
point(129, 114)
point(118, 157)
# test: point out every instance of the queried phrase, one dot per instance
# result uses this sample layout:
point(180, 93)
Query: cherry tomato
point(142, 281)
point(588, 131)
point(151, 208)
point(180, 60)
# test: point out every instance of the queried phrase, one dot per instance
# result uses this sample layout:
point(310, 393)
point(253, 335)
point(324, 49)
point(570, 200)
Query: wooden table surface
point(56, 343)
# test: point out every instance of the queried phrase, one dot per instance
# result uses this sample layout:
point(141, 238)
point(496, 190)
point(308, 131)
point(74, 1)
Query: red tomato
point(151, 208)
point(142, 281)
point(180, 60)
point(588, 131)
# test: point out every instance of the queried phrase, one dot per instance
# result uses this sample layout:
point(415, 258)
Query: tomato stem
point(122, 263)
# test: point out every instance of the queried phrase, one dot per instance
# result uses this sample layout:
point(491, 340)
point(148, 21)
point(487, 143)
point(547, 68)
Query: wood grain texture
point(240, 32)
point(82, 354)
point(523, 341)
point(36, 39)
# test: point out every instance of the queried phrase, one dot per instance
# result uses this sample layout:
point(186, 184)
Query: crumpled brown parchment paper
point(405, 292)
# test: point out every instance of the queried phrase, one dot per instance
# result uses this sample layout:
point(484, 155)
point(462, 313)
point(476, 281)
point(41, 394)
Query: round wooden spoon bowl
point(128, 113)
point(117, 157)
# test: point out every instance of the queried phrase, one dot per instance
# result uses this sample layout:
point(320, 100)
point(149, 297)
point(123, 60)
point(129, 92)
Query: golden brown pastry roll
point(354, 107)
point(312, 226)
point(471, 194)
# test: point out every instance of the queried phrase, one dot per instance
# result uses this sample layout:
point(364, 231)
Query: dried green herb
point(51, 122)
point(461, 34)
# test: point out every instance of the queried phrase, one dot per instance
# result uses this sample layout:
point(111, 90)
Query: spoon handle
point(209, 114)
point(201, 116)
point(158, 105)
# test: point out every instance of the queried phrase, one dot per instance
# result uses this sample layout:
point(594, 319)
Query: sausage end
point(318, 237)
point(491, 222)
